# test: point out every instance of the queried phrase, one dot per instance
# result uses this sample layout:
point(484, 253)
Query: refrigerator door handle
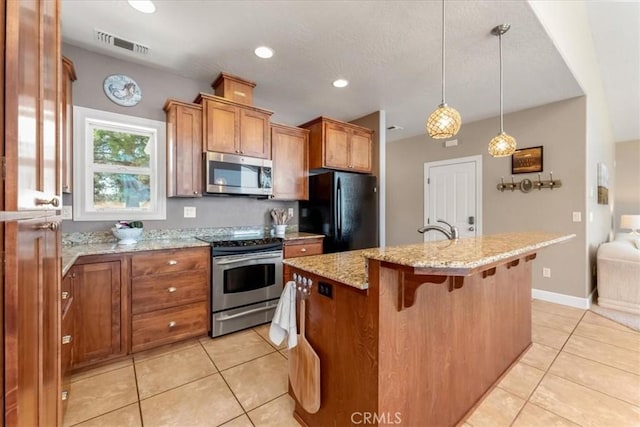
point(339, 210)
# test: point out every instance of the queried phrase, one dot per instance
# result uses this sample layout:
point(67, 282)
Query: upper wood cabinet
point(184, 149)
point(32, 105)
point(231, 127)
point(338, 145)
point(66, 123)
point(290, 155)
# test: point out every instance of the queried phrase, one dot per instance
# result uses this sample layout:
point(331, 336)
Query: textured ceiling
point(388, 50)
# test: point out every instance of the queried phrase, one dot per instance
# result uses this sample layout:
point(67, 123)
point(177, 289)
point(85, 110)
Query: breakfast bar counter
point(417, 334)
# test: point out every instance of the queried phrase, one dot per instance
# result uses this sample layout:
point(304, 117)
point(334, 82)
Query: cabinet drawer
point(170, 261)
point(149, 293)
point(172, 324)
point(311, 247)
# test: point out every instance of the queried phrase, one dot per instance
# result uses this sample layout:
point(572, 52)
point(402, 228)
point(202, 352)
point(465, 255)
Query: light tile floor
point(582, 370)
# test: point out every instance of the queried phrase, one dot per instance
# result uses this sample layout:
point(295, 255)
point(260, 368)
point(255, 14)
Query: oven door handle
point(245, 259)
point(225, 317)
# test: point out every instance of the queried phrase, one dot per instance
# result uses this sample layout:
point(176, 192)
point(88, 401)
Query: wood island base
point(415, 348)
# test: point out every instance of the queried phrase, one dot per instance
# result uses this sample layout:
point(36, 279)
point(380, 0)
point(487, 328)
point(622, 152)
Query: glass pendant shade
point(444, 122)
point(502, 145)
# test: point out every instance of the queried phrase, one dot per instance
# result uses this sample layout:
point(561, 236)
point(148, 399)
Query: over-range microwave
point(232, 174)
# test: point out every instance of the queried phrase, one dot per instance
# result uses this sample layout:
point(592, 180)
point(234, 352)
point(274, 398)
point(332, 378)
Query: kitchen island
point(415, 335)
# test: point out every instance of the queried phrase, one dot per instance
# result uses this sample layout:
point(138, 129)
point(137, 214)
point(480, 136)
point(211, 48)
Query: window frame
point(85, 120)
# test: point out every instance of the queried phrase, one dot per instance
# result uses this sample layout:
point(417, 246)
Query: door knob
point(471, 228)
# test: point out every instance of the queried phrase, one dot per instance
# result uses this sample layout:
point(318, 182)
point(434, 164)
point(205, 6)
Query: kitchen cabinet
point(184, 149)
point(302, 247)
point(100, 309)
point(169, 296)
point(234, 128)
point(66, 123)
point(67, 336)
point(29, 234)
point(290, 156)
point(31, 105)
point(338, 145)
point(31, 321)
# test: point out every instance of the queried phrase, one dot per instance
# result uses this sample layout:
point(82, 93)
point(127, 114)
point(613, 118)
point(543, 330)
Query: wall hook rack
point(526, 185)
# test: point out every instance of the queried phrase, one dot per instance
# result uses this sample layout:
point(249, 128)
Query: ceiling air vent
point(103, 37)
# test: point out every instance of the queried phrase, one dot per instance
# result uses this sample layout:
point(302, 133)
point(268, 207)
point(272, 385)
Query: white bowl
point(127, 236)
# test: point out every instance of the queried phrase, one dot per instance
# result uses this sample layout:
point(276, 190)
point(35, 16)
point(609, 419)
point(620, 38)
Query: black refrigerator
point(344, 207)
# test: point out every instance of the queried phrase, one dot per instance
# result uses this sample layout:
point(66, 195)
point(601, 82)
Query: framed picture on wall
point(527, 160)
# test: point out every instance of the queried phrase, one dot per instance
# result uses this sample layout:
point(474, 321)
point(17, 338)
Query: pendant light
point(503, 144)
point(445, 121)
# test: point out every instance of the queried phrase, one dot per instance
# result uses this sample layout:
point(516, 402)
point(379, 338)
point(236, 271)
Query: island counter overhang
point(417, 334)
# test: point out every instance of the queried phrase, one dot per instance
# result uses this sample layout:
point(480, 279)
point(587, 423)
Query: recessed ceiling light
point(263, 52)
point(144, 6)
point(340, 83)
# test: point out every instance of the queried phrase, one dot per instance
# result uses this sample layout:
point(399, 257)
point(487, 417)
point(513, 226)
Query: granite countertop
point(349, 267)
point(71, 253)
point(459, 257)
point(301, 235)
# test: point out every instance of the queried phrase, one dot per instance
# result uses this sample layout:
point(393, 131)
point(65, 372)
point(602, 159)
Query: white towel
point(284, 319)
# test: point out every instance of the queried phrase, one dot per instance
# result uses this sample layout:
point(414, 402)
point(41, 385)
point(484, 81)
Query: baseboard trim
point(569, 300)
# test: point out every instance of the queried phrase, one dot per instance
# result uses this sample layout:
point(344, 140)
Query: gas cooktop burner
point(233, 245)
point(229, 241)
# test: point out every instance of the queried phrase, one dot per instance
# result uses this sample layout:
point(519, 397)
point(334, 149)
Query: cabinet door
point(289, 152)
point(97, 296)
point(31, 322)
point(360, 153)
point(66, 124)
point(32, 67)
point(336, 146)
point(255, 140)
point(184, 151)
point(221, 127)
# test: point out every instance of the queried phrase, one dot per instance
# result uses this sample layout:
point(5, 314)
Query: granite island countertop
point(450, 257)
point(71, 253)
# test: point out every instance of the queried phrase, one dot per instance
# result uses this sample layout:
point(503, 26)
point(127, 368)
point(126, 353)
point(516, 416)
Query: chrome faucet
point(452, 233)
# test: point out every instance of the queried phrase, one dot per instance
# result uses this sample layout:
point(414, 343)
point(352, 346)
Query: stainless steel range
point(246, 281)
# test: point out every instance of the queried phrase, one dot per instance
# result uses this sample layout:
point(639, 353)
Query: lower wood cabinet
point(113, 305)
point(302, 247)
point(98, 296)
point(169, 296)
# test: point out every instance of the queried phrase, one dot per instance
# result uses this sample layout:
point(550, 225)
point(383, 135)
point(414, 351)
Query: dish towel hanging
point(284, 319)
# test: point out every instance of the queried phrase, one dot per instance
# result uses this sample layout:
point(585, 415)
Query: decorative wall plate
point(122, 90)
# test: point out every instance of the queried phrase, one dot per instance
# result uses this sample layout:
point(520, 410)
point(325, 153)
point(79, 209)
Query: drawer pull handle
point(172, 262)
point(65, 295)
point(303, 250)
point(172, 289)
point(64, 395)
point(172, 324)
point(66, 339)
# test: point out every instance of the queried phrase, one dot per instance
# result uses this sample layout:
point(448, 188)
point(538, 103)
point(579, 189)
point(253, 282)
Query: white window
point(119, 166)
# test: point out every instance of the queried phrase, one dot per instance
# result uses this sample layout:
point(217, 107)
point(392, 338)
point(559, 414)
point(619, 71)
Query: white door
point(453, 193)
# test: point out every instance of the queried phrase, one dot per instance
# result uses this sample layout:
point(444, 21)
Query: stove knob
point(295, 277)
point(310, 283)
point(304, 281)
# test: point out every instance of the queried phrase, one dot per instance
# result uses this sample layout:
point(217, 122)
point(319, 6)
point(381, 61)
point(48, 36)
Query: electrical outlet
point(546, 272)
point(290, 212)
point(67, 212)
point(577, 217)
point(189, 212)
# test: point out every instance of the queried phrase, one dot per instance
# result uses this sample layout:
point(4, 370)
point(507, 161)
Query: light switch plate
point(546, 272)
point(577, 217)
point(189, 211)
point(290, 212)
point(67, 212)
